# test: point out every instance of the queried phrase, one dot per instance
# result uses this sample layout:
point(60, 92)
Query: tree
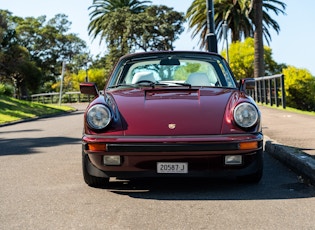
point(101, 14)
point(300, 88)
point(49, 43)
point(155, 29)
point(241, 55)
point(7, 40)
point(239, 16)
point(16, 67)
point(125, 28)
point(32, 50)
point(259, 69)
point(20, 71)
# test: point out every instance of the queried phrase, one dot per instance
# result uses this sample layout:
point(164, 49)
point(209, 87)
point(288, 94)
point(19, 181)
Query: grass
point(12, 109)
point(312, 113)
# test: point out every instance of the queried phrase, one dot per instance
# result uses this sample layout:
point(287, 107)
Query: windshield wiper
point(122, 85)
point(172, 83)
point(183, 84)
point(150, 83)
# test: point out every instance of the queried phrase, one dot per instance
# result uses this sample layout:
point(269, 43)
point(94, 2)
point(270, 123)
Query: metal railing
point(68, 97)
point(269, 90)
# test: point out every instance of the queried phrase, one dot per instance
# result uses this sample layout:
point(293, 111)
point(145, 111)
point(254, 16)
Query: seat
point(198, 79)
point(143, 76)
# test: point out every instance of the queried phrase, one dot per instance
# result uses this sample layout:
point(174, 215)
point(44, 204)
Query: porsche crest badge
point(171, 126)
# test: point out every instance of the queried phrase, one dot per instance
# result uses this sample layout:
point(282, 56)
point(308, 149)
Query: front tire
point(93, 181)
point(255, 177)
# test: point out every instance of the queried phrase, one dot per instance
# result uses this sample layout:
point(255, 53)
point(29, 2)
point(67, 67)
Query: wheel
point(256, 176)
point(93, 181)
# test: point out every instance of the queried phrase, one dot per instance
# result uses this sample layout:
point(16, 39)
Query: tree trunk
point(259, 69)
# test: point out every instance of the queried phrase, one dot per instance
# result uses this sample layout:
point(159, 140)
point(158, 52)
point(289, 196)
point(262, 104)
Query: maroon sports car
point(171, 114)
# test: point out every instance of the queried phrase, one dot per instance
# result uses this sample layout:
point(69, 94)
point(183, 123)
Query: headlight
point(98, 117)
point(245, 115)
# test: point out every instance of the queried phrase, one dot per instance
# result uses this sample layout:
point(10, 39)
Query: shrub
point(6, 89)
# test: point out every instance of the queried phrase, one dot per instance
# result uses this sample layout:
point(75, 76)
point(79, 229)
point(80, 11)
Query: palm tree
point(238, 14)
point(101, 10)
point(259, 67)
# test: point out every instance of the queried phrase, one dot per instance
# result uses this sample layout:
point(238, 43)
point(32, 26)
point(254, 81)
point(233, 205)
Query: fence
point(68, 97)
point(269, 90)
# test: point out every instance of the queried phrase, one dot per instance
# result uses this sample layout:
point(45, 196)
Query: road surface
point(42, 188)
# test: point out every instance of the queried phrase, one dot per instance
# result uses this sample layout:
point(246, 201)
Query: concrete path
point(290, 137)
point(289, 128)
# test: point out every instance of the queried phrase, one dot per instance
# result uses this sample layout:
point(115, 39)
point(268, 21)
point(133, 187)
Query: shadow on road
point(212, 190)
point(21, 146)
point(277, 183)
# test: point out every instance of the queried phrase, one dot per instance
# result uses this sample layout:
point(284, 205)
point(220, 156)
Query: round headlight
point(98, 117)
point(245, 115)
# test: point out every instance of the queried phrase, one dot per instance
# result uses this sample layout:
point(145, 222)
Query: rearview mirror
point(170, 61)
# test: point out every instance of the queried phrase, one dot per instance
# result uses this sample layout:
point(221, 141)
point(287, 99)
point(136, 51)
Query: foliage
point(102, 9)
point(241, 59)
point(155, 29)
point(32, 50)
point(97, 76)
point(6, 89)
point(238, 14)
point(49, 43)
point(300, 88)
point(126, 29)
point(16, 67)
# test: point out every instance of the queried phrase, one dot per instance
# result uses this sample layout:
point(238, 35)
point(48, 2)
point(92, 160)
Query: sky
point(294, 45)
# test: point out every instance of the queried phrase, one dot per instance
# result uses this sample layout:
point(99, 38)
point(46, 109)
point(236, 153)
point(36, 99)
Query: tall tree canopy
point(238, 14)
point(129, 25)
point(32, 50)
point(101, 12)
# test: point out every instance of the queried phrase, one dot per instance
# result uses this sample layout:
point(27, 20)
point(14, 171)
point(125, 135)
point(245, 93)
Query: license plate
point(172, 167)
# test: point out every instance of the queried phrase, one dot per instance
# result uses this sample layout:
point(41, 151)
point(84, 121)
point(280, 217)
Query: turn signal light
point(248, 145)
point(97, 147)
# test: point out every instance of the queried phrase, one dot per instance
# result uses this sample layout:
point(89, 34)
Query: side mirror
point(88, 88)
point(247, 84)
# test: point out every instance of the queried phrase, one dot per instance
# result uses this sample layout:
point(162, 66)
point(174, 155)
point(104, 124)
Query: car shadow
point(278, 182)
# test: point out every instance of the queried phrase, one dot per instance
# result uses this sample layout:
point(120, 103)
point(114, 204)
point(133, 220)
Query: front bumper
point(204, 155)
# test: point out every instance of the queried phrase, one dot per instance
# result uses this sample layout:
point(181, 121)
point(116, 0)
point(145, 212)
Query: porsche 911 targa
point(171, 114)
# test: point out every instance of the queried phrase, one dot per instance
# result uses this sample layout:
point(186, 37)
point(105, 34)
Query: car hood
point(172, 111)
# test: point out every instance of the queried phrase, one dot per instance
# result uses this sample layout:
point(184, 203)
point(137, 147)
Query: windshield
point(172, 71)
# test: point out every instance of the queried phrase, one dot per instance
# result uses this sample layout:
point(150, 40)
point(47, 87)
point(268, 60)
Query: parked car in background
point(171, 114)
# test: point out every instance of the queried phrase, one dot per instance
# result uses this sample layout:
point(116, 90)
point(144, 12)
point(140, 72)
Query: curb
point(294, 158)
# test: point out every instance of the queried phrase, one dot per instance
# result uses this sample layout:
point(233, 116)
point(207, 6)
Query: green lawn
point(12, 109)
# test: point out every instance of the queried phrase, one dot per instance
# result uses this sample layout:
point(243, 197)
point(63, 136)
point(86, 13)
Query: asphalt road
point(42, 188)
